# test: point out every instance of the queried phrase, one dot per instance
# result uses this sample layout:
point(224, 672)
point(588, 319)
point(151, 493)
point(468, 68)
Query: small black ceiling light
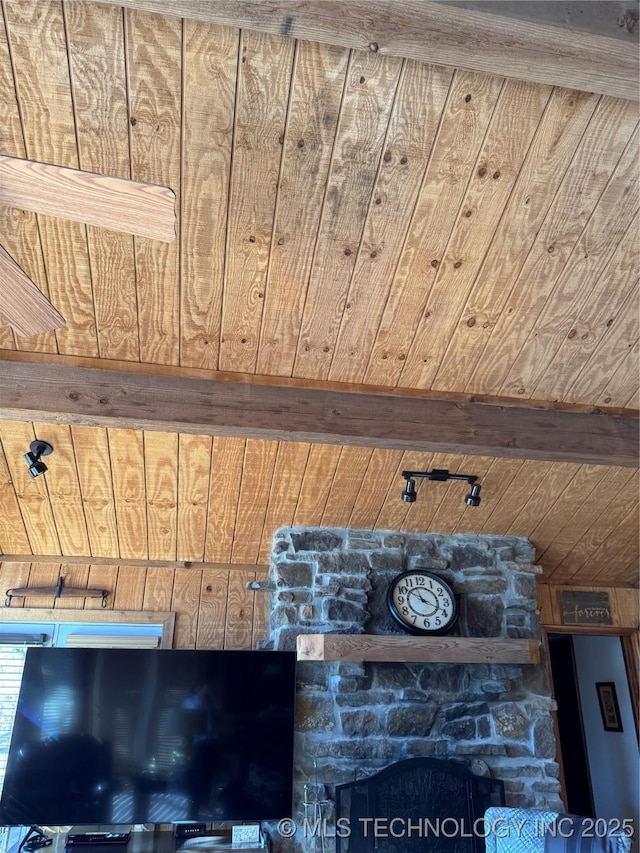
point(37, 449)
point(440, 474)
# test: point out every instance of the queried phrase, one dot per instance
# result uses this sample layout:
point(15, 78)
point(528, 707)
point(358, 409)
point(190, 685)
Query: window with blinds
point(16, 637)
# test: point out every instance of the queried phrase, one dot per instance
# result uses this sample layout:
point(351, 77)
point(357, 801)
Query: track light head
point(409, 493)
point(32, 458)
point(473, 498)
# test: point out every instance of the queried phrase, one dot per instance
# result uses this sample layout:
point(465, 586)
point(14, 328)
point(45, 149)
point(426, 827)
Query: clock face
point(422, 603)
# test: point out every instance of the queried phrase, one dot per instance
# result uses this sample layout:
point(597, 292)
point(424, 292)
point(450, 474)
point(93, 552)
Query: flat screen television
point(117, 736)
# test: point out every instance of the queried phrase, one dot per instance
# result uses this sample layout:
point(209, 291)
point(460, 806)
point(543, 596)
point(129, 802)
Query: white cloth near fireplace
point(528, 831)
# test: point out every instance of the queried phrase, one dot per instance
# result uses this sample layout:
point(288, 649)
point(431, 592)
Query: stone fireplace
point(355, 718)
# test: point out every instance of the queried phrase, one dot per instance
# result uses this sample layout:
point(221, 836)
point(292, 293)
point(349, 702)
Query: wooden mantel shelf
point(377, 647)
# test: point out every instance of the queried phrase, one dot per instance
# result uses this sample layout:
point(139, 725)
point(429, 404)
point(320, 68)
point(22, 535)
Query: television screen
point(106, 736)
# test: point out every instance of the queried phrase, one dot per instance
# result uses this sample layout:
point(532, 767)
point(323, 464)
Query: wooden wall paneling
point(11, 136)
point(348, 475)
point(257, 475)
point(32, 493)
point(556, 610)
point(629, 575)
point(102, 577)
point(264, 77)
point(577, 523)
point(368, 97)
point(19, 229)
point(95, 41)
point(316, 485)
point(126, 450)
point(502, 475)
point(378, 479)
point(591, 319)
point(12, 529)
point(543, 495)
point(413, 125)
point(622, 384)
point(514, 122)
point(213, 607)
point(129, 589)
point(43, 574)
point(556, 139)
point(76, 576)
point(186, 604)
point(161, 482)
point(558, 512)
point(623, 567)
point(38, 48)
point(319, 75)
point(194, 467)
point(544, 604)
point(158, 589)
point(633, 401)
point(7, 340)
point(394, 510)
point(260, 617)
point(602, 564)
point(612, 513)
point(224, 489)
point(453, 505)
point(596, 157)
point(238, 633)
point(609, 353)
point(595, 559)
point(14, 576)
point(590, 257)
point(463, 124)
point(626, 606)
point(64, 489)
point(286, 483)
point(210, 59)
point(154, 48)
point(91, 448)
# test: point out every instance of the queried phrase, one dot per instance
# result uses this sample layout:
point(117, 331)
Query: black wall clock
point(422, 603)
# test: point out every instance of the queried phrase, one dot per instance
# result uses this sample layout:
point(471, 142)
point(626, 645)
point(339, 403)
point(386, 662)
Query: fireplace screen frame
point(415, 789)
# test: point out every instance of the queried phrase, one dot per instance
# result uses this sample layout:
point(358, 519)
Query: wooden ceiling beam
point(471, 39)
point(114, 562)
point(257, 409)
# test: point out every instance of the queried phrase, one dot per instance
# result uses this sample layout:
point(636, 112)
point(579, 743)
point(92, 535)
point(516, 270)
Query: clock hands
point(430, 604)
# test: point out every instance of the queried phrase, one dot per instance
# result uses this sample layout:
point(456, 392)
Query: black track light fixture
point(32, 458)
point(440, 475)
point(409, 494)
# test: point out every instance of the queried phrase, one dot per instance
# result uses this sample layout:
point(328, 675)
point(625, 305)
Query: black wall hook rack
point(56, 591)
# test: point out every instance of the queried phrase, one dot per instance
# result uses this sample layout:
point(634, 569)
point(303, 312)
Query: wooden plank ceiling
point(342, 217)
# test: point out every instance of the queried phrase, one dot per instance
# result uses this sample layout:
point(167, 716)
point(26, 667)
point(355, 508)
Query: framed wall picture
point(609, 708)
